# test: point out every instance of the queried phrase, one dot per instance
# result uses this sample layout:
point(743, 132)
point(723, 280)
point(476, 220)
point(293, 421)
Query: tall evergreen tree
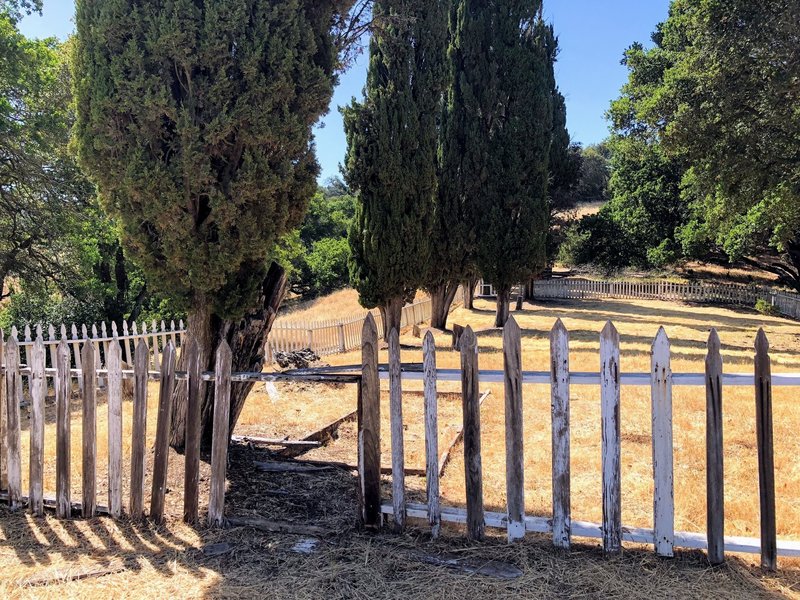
point(514, 124)
point(194, 119)
point(391, 155)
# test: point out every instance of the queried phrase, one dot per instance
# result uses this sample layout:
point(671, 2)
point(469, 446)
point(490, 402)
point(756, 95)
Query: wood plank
point(431, 435)
point(12, 438)
point(191, 482)
point(559, 396)
point(139, 429)
point(3, 414)
point(38, 386)
point(221, 431)
point(321, 437)
point(473, 472)
point(445, 458)
point(610, 428)
point(89, 430)
point(766, 458)
point(161, 452)
point(715, 481)
point(63, 431)
point(369, 427)
point(396, 423)
point(661, 411)
point(284, 443)
point(114, 391)
point(515, 455)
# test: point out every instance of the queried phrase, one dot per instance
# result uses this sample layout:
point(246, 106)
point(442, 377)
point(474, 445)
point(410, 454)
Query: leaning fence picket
point(193, 433)
point(559, 381)
point(139, 429)
point(38, 387)
point(766, 459)
point(396, 422)
point(431, 434)
point(473, 472)
point(12, 431)
point(515, 456)
point(610, 426)
point(114, 391)
point(63, 442)
point(661, 406)
point(220, 435)
point(163, 422)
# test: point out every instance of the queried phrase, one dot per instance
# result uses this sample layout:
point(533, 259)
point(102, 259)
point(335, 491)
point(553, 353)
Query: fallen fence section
point(661, 381)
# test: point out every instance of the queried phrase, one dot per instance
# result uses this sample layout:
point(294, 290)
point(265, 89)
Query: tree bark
point(442, 297)
point(529, 295)
point(503, 301)
point(247, 338)
point(469, 292)
point(391, 315)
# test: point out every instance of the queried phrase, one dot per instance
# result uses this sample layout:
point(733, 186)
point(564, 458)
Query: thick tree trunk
point(442, 297)
point(529, 293)
point(247, 338)
point(469, 292)
point(391, 315)
point(503, 301)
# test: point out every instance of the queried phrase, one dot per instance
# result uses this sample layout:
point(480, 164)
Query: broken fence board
point(161, 452)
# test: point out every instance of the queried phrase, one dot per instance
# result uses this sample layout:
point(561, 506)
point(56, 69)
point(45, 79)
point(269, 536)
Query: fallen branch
point(62, 575)
point(322, 436)
point(278, 526)
point(275, 441)
point(457, 438)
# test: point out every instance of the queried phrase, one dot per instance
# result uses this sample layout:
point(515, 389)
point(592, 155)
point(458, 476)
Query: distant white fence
point(335, 336)
point(786, 303)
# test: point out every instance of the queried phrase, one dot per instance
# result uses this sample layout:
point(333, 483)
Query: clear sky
point(592, 37)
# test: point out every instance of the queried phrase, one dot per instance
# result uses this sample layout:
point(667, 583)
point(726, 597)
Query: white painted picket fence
point(786, 303)
point(335, 336)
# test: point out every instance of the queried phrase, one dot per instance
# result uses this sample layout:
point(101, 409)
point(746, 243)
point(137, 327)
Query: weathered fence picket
point(610, 431)
point(12, 430)
point(139, 431)
point(161, 453)
point(515, 456)
point(396, 421)
point(63, 437)
point(431, 434)
point(38, 386)
point(715, 481)
point(89, 432)
point(559, 381)
point(219, 442)
point(369, 428)
point(114, 401)
point(766, 459)
point(473, 471)
point(193, 425)
point(661, 396)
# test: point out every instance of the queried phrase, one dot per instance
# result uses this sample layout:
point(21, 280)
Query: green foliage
point(595, 173)
point(195, 123)
point(391, 150)
point(327, 264)
point(766, 308)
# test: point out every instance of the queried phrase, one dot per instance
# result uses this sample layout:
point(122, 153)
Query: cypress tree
point(194, 119)
point(391, 153)
point(512, 205)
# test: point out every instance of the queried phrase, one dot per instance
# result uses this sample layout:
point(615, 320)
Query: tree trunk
point(391, 315)
point(503, 301)
point(521, 296)
point(247, 338)
point(529, 293)
point(469, 292)
point(442, 297)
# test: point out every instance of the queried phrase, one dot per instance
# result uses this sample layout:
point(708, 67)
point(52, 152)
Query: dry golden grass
point(342, 304)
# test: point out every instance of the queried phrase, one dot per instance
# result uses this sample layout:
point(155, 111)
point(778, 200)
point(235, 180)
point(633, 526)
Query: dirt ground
point(177, 560)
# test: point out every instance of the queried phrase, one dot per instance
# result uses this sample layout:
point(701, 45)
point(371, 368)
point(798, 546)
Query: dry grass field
point(170, 560)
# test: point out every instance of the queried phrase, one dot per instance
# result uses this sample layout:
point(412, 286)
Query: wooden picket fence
point(335, 336)
point(609, 379)
point(786, 303)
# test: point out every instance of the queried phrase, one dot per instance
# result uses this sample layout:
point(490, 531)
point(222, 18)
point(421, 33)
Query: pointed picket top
point(51, 332)
point(74, 332)
point(429, 342)
point(558, 328)
point(468, 340)
point(224, 354)
point(144, 327)
point(172, 325)
point(12, 342)
point(762, 343)
point(661, 341)
point(103, 329)
point(14, 332)
point(84, 331)
point(610, 331)
point(141, 348)
point(134, 328)
point(27, 333)
point(369, 333)
point(180, 324)
point(511, 330)
point(714, 344)
point(38, 343)
point(124, 327)
point(94, 331)
point(114, 332)
point(163, 326)
point(153, 326)
point(87, 354)
point(63, 349)
point(38, 329)
point(63, 331)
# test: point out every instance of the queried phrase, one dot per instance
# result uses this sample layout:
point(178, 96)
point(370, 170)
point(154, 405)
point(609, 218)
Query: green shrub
point(327, 263)
point(766, 308)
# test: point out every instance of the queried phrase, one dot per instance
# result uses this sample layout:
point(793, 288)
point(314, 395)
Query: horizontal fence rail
point(786, 303)
point(609, 381)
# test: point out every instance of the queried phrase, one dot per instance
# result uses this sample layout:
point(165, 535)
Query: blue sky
point(592, 37)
